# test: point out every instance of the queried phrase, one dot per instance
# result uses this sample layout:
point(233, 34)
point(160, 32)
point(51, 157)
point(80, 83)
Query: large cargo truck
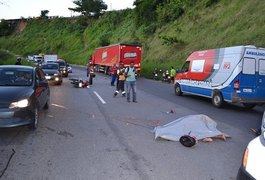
point(50, 57)
point(105, 57)
point(231, 74)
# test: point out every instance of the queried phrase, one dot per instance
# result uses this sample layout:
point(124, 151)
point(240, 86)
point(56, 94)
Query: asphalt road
point(88, 134)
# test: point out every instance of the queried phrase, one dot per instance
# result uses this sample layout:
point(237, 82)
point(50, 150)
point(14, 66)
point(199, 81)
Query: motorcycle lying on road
point(79, 83)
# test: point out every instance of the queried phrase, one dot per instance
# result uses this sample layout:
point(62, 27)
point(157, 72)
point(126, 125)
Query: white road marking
point(100, 98)
point(60, 106)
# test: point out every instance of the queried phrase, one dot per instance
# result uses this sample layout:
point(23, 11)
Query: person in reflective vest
point(120, 80)
point(172, 74)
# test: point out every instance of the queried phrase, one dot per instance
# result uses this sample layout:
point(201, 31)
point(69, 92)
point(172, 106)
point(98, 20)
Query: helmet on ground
point(187, 141)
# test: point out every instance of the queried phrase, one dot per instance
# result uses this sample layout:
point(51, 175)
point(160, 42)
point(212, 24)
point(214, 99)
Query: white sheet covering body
point(199, 126)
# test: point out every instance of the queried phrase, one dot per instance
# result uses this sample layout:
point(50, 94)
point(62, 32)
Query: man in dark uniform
point(18, 62)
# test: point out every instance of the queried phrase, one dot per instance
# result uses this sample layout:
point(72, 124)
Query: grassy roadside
point(8, 58)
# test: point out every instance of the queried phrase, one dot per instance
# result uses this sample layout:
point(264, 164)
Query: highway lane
point(81, 137)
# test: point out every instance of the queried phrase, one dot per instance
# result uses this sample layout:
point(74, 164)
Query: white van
point(231, 74)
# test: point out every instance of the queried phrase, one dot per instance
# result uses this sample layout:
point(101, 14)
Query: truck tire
point(217, 99)
point(178, 91)
point(249, 105)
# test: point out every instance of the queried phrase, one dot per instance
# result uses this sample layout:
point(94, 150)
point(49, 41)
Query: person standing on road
point(131, 82)
point(172, 74)
point(120, 80)
point(91, 74)
point(88, 70)
point(88, 74)
point(18, 62)
point(113, 72)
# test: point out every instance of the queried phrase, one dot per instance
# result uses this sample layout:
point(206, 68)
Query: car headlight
point(55, 74)
point(19, 104)
point(245, 159)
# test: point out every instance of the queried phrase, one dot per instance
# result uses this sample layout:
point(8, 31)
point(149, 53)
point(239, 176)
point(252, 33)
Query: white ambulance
point(231, 74)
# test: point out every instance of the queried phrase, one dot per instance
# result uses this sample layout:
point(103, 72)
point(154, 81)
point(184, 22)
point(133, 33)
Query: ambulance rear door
point(261, 79)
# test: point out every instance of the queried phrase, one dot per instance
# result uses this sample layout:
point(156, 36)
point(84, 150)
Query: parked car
point(63, 67)
point(69, 68)
point(253, 163)
point(37, 59)
point(24, 91)
point(52, 73)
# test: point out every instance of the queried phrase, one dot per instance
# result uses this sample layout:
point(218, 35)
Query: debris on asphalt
point(256, 132)
point(200, 126)
point(169, 112)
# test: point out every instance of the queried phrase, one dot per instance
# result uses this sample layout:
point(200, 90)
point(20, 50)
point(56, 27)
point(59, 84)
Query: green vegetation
point(5, 29)
point(6, 58)
point(169, 31)
point(9, 58)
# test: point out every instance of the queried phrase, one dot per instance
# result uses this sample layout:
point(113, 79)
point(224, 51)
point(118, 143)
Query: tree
point(89, 7)
point(145, 11)
point(5, 28)
point(44, 13)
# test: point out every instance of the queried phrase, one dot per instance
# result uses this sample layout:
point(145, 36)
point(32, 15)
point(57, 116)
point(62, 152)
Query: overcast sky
point(13, 9)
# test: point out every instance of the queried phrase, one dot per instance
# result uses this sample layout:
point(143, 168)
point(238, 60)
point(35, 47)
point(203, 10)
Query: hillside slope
point(226, 23)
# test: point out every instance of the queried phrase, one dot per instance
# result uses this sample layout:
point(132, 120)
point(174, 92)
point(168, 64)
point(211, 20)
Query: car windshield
point(50, 66)
point(15, 77)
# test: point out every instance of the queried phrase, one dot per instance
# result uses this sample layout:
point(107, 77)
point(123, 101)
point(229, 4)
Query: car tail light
point(236, 85)
point(245, 159)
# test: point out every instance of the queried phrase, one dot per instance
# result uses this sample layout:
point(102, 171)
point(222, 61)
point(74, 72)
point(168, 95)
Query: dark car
point(24, 91)
point(63, 67)
point(52, 73)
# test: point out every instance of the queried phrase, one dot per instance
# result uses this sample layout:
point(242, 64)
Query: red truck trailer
point(105, 57)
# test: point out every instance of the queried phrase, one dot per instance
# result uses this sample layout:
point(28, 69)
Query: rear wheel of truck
point(178, 91)
point(217, 99)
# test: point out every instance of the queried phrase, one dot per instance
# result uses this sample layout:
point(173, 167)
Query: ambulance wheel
point(217, 99)
point(178, 91)
point(249, 105)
